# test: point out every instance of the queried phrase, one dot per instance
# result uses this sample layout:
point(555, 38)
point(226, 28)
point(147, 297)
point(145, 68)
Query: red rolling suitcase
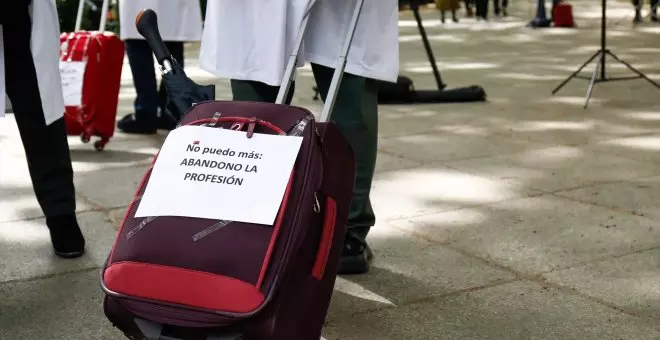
point(189, 278)
point(103, 53)
point(562, 15)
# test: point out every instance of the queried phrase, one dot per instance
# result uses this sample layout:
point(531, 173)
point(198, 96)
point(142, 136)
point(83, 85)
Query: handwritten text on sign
point(72, 74)
point(220, 174)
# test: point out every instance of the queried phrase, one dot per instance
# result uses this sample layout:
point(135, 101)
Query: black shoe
point(355, 256)
point(654, 18)
point(129, 124)
point(65, 235)
point(165, 122)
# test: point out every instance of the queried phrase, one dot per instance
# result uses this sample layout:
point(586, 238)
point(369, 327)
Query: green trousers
point(356, 115)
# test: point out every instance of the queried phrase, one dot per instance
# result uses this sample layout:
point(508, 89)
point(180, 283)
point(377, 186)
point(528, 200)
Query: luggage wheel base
point(99, 145)
point(154, 331)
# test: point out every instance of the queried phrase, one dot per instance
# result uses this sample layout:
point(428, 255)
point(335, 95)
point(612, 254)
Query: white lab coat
point(178, 20)
point(45, 45)
point(253, 39)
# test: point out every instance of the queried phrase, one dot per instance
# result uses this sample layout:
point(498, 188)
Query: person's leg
point(654, 10)
point(481, 9)
point(505, 5)
point(468, 8)
point(356, 114)
point(46, 147)
point(165, 120)
point(496, 7)
point(141, 61)
point(638, 10)
point(247, 90)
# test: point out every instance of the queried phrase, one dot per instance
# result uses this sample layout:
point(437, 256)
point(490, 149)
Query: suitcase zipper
point(300, 217)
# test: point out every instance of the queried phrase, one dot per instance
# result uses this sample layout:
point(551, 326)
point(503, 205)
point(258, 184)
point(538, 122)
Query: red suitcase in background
point(562, 15)
point(103, 53)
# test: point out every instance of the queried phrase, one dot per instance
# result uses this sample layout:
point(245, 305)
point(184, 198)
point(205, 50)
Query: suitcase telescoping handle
point(339, 69)
point(104, 15)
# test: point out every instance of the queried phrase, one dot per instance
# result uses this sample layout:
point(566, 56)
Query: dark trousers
point(356, 114)
point(46, 147)
point(481, 8)
point(499, 6)
point(149, 97)
point(639, 4)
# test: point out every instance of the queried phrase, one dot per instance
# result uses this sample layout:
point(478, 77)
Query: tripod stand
point(604, 51)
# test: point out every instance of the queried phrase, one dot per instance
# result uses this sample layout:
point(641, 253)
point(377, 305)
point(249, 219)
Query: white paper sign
point(220, 174)
point(73, 74)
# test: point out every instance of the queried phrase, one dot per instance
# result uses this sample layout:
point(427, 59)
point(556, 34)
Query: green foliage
point(68, 9)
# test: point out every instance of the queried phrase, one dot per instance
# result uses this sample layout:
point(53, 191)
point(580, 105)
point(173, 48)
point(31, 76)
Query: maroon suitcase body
point(173, 278)
point(264, 282)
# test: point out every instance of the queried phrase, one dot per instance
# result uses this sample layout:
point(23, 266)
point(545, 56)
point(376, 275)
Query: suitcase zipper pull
point(251, 124)
point(317, 205)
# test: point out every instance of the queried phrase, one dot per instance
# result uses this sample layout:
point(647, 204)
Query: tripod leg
point(575, 73)
point(638, 72)
point(593, 78)
point(427, 47)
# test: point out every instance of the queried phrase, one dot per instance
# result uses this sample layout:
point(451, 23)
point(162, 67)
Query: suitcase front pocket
point(209, 265)
point(183, 287)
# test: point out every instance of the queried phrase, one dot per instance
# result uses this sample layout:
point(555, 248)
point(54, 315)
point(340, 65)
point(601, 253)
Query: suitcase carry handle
point(104, 15)
point(339, 69)
point(146, 23)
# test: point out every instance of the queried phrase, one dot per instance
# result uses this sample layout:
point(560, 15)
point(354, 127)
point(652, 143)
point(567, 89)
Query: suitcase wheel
point(99, 145)
point(84, 137)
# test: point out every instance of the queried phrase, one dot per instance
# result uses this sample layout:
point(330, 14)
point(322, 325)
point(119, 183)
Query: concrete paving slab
point(116, 216)
point(65, 307)
point(385, 162)
point(558, 168)
point(400, 273)
point(26, 251)
point(631, 282)
point(638, 196)
point(434, 147)
point(569, 126)
point(538, 234)
point(18, 201)
point(519, 310)
point(420, 191)
point(401, 120)
point(643, 148)
point(111, 188)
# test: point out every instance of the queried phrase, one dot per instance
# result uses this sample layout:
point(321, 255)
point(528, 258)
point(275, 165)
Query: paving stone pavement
point(526, 217)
